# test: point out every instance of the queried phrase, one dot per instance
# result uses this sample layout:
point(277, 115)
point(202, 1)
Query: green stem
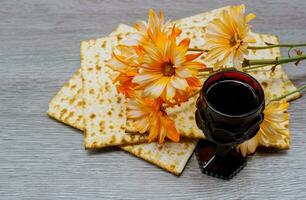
point(262, 47)
point(290, 93)
point(277, 61)
point(208, 69)
point(253, 67)
point(276, 45)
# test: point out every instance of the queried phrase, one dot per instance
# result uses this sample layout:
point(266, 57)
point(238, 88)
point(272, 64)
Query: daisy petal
point(146, 78)
point(250, 17)
point(170, 92)
point(178, 83)
point(183, 72)
point(155, 89)
point(191, 57)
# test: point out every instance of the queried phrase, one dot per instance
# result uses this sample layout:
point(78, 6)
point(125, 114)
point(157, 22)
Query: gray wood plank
point(43, 159)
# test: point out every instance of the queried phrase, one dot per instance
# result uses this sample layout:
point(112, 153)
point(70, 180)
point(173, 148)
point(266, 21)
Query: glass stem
point(222, 150)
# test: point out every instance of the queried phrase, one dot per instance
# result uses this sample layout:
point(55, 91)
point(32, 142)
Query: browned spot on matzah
point(109, 113)
point(264, 84)
point(80, 103)
point(101, 124)
point(103, 45)
point(72, 100)
point(98, 68)
point(91, 91)
point(172, 167)
point(132, 136)
point(79, 117)
point(113, 139)
point(92, 116)
point(124, 140)
point(107, 87)
point(90, 68)
point(119, 98)
point(119, 37)
point(180, 153)
point(68, 116)
point(139, 151)
point(63, 112)
point(97, 56)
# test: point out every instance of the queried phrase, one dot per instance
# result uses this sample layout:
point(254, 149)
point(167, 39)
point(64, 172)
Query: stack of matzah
point(91, 103)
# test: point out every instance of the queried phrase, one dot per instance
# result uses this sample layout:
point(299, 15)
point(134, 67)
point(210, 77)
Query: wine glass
point(229, 112)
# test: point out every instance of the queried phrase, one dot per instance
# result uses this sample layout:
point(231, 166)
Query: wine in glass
point(229, 112)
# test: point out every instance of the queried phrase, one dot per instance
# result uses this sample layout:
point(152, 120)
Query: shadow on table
point(274, 151)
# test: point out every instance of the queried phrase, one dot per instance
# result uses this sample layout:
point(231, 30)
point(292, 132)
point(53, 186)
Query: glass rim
point(251, 112)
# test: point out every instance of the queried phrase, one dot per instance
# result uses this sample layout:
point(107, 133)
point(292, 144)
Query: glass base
point(224, 167)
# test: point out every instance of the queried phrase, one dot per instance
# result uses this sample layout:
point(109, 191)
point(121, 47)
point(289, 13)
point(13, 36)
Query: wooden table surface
point(43, 159)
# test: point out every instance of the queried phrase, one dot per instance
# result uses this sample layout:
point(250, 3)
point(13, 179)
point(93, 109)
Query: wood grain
point(43, 159)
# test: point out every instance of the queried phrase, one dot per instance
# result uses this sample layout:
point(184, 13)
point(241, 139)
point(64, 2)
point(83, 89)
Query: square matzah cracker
point(67, 107)
point(104, 108)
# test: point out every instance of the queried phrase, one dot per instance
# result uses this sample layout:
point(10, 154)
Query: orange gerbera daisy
point(125, 61)
point(155, 23)
point(273, 130)
point(166, 67)
point(227, 37)
point(151, 118)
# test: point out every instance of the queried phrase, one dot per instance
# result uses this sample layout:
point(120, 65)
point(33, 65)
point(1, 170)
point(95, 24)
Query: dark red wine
point(232, 97)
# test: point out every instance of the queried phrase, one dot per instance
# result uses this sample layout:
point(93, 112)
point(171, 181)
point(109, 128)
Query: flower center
point(235, 41)
point(168, 69)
